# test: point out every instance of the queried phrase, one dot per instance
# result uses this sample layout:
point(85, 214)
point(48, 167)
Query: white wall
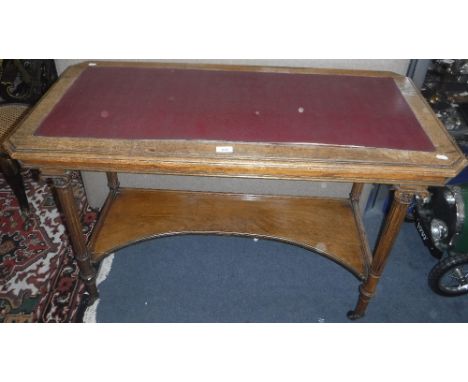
point(96, 183)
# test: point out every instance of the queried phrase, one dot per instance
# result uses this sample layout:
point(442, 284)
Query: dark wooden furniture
point(231, 121)
point(25, 81)
point(10, 116)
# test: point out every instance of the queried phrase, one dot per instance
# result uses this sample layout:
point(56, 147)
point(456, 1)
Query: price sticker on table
point(224, 149)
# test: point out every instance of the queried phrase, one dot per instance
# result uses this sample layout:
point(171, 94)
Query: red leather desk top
point(149, 103)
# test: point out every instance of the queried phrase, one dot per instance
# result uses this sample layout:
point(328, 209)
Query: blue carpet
point(231, 279)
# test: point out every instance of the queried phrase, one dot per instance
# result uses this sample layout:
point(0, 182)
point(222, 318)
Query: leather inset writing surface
point(156, 103)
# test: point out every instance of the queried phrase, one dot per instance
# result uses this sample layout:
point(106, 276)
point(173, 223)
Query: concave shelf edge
point(328, 226)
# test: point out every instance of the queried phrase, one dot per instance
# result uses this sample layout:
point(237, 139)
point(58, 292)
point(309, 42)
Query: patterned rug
point(38, 276)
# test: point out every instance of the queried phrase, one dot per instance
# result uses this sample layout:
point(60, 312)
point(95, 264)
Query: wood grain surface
point(247, 159)
point(326, 226)
point(331, 227)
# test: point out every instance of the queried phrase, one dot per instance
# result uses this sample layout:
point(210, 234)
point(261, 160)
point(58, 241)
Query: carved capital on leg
point(61, 181)
point(405, 195)
point(59, 178)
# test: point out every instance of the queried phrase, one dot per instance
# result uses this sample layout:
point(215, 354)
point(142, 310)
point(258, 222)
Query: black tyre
point(449, 277)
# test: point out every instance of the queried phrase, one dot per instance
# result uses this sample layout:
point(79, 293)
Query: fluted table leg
point(62, 184)
point(394, 219)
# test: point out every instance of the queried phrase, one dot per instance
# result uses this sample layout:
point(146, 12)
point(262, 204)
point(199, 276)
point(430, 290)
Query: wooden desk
point(250, 122)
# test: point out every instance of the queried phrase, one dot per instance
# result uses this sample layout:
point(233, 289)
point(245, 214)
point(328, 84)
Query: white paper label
point(224, 149)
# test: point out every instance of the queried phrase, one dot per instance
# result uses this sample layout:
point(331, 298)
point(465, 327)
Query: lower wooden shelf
point(327, 226)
